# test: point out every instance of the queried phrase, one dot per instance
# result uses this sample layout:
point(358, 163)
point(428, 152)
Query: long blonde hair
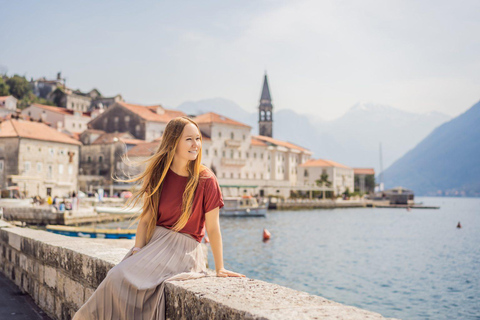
point(150, 181)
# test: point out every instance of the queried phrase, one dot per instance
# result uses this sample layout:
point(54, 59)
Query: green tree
point(4, 88)
point(19, 86)
point(323, 181)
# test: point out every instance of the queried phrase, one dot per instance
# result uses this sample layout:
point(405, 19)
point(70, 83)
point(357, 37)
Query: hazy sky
point(321, 56)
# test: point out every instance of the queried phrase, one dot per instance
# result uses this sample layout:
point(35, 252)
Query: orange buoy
point(459, 225)
point(206, 239)
point(266, 234)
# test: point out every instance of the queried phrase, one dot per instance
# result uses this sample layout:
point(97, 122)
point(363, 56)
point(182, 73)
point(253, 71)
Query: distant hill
point(352, 139)
point(446, 162)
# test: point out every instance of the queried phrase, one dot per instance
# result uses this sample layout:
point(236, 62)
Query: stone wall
point(60, 273)
point(34, 215)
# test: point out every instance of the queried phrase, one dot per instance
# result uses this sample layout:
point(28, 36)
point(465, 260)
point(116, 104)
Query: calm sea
point(408, 265)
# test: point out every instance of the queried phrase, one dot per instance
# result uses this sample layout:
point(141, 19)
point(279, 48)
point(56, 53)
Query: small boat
point(245, 206)
point(118, 210)
point(89, 232)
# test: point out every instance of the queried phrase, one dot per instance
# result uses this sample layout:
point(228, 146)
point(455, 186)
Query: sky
point(321, 57)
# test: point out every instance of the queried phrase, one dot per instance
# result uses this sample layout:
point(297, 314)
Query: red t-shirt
point(208, 196)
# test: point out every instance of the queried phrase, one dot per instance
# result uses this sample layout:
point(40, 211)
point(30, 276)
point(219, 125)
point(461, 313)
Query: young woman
point(181, 198)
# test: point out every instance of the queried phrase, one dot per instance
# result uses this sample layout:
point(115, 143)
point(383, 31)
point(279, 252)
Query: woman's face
point(190, 143)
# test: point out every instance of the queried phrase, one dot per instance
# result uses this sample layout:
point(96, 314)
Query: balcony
point(234, 162)
point(233, 143)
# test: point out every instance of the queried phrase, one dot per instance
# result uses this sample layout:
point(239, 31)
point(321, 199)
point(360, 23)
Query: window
point(127, 118)
point(305, 173)
point(60, 169)
point(206, 152)
point(73, 125)
point(39, 166)
point(50, 171)
point(1, 165)
point(223, 174)
point(89, 159)
point(231, 175)
point(246, 154)
point(261, 155)
point(219, 134)
point(70, 169)
point(261, 176)
point(215, 152)
point(51, 151)
point(243, 137)
point(254, 176)
point(232, 136)
point(231, 154)
point(100, 159)
point(239, 175)
point(26, 166)
point(223, 153)
point(254, 155)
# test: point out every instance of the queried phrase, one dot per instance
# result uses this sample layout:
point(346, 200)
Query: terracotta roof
point(94, 131)
point(58, 109)
point(146, 149)
point(212, 117)
point(109, 137)
point(150, 112)
point(133, 141)
point(269, 140)
point(256, 142)
point(33, 130)
point(367, 171)
point(323, 163)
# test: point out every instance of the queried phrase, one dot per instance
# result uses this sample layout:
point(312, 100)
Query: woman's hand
point(225, 273)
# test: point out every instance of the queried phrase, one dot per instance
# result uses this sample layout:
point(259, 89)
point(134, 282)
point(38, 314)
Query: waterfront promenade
point(60, 273)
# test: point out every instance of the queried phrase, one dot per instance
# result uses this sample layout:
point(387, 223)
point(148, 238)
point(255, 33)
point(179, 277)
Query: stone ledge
point(61, 272)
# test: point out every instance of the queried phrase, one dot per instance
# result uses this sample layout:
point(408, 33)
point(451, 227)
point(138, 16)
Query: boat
point(245, 206)
point(118, 210)
point(89, 232)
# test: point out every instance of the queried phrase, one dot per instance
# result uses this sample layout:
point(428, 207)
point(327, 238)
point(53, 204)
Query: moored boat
point(245, 206)
point(89, 232)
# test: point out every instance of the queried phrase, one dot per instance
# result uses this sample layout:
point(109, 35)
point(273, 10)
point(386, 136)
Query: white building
point(58, 118)
point(246, 164)
point(8, 105)
point(340, 176)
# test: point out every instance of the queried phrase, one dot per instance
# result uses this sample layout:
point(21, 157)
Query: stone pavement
point(16, 305)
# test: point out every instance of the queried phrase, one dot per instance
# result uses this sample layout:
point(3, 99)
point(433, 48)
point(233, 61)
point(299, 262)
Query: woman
point(181, 198)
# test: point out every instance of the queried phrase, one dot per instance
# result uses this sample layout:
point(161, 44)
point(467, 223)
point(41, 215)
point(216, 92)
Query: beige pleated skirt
point(134, 288)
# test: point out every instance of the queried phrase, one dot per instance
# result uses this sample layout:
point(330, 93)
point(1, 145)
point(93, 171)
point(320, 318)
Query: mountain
point(359, 132)
point(446, 162)
point(352, 139)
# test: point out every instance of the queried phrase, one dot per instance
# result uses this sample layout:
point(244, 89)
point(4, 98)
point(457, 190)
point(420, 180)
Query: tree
point(4, 88)
point(19, 86)
point(323, 181)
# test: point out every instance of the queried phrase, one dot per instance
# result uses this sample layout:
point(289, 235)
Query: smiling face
point(190, 143)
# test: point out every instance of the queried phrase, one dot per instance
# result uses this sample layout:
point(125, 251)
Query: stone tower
point(265, 120)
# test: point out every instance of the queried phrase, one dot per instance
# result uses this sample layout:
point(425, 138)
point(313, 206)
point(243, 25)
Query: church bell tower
point(265, 120)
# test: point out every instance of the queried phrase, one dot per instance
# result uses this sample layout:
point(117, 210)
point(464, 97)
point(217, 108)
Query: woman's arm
point(141, 235)
point(212, 225)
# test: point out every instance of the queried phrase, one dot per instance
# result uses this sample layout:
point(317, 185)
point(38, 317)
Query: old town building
point(37, 159)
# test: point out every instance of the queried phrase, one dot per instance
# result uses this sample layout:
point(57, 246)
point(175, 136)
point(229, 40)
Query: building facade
point(37, 159)
point(339, 176)
point(58, 118)
point(143, 122)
